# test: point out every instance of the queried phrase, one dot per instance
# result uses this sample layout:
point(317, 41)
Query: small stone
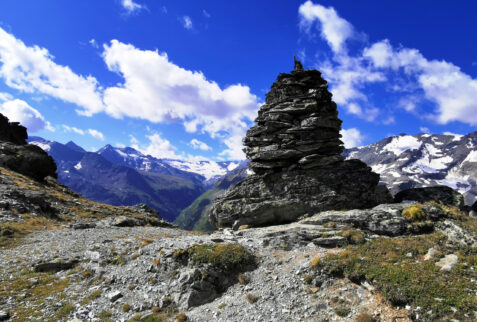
point(113, 296)
point(430, 254)
point(4, 315)
point(448, 262)
point(409, 255)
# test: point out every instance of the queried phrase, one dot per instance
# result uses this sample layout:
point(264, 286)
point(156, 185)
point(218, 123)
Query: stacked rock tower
point(295, 152)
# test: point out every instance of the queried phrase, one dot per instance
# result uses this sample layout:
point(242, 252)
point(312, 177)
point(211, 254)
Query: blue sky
point(184, 79)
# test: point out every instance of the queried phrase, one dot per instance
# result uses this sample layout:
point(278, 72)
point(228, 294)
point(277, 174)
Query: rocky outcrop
point(12, 132)
point(20, 157)
point(440, 194)
point(295, 152)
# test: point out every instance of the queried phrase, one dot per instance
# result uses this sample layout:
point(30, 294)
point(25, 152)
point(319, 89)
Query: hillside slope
point(195, 217)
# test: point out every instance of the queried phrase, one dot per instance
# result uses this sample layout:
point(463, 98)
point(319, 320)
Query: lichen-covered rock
point(441, 194)
point(295, 152)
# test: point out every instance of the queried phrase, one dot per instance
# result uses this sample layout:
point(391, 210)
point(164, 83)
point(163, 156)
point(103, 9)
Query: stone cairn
point(295, 152)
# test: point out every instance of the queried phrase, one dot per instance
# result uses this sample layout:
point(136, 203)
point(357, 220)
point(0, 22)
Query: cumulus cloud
point(96, 134)
point(32, 69)
point(334, 29)
point(130, 6)
point(178, 95)
point(73, 129)
point(187, 22)
point(199, 145)
point(153, 88)
point(159, 148)
point(206, 14)
point(352, 138)
point(19, 111)
point(5, 97)
point(452, 91)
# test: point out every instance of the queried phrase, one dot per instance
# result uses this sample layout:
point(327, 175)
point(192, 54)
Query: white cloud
point(93, 43)
point(72, 129)
point(130, 6)
point(334, 29)
point(159, 148)
point(178, 95)
point(424, 130)
point(352, 138)
point(32, 69)
point(206, 14)
point(199, 145)
point(96, 134)
point(452, 91)
point(187, 22)
point(234, 150)
point(153, 89)
point(443, 83)
point(5, 97)
point(19, 111)
point(133, 139)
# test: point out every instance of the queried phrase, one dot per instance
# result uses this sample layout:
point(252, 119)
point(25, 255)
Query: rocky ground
point(129, 273)
point(95, 271)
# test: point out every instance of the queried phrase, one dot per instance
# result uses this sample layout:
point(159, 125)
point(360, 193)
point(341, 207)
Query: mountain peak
point(75, 147)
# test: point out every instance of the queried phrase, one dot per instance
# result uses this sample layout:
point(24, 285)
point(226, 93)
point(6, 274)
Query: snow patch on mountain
point(429, 160)
point(78, 166)
point(207, 169)
point(400, 144)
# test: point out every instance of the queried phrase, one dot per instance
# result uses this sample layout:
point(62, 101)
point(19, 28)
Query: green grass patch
point(223, 256)
point(404, 279)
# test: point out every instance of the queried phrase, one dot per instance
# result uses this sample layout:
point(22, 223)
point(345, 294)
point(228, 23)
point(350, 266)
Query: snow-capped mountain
point(114, 182)
point(125, 176)
point(207, 172)
point(212, 171)
point(422, 160)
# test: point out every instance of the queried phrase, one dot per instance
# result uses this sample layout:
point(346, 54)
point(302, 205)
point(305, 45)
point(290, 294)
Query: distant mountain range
point(424, 160)
point(182, 190)
point(125, 176)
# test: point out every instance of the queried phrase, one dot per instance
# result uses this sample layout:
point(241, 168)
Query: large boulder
point(29, 160)
point(295, 152)
point(12, 131)
point(441, 194)
point(16, 155)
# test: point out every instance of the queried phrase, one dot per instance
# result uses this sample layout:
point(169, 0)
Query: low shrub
point(222, 256)
point(414, 213)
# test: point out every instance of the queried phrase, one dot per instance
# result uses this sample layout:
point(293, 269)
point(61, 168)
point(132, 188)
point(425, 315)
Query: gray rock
point(114, 296)
point(448, 262)
point(430, 254)
point(441, 194)
point(55, 266)
point(29, 160)
point(12, 131)
point(4, 315)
